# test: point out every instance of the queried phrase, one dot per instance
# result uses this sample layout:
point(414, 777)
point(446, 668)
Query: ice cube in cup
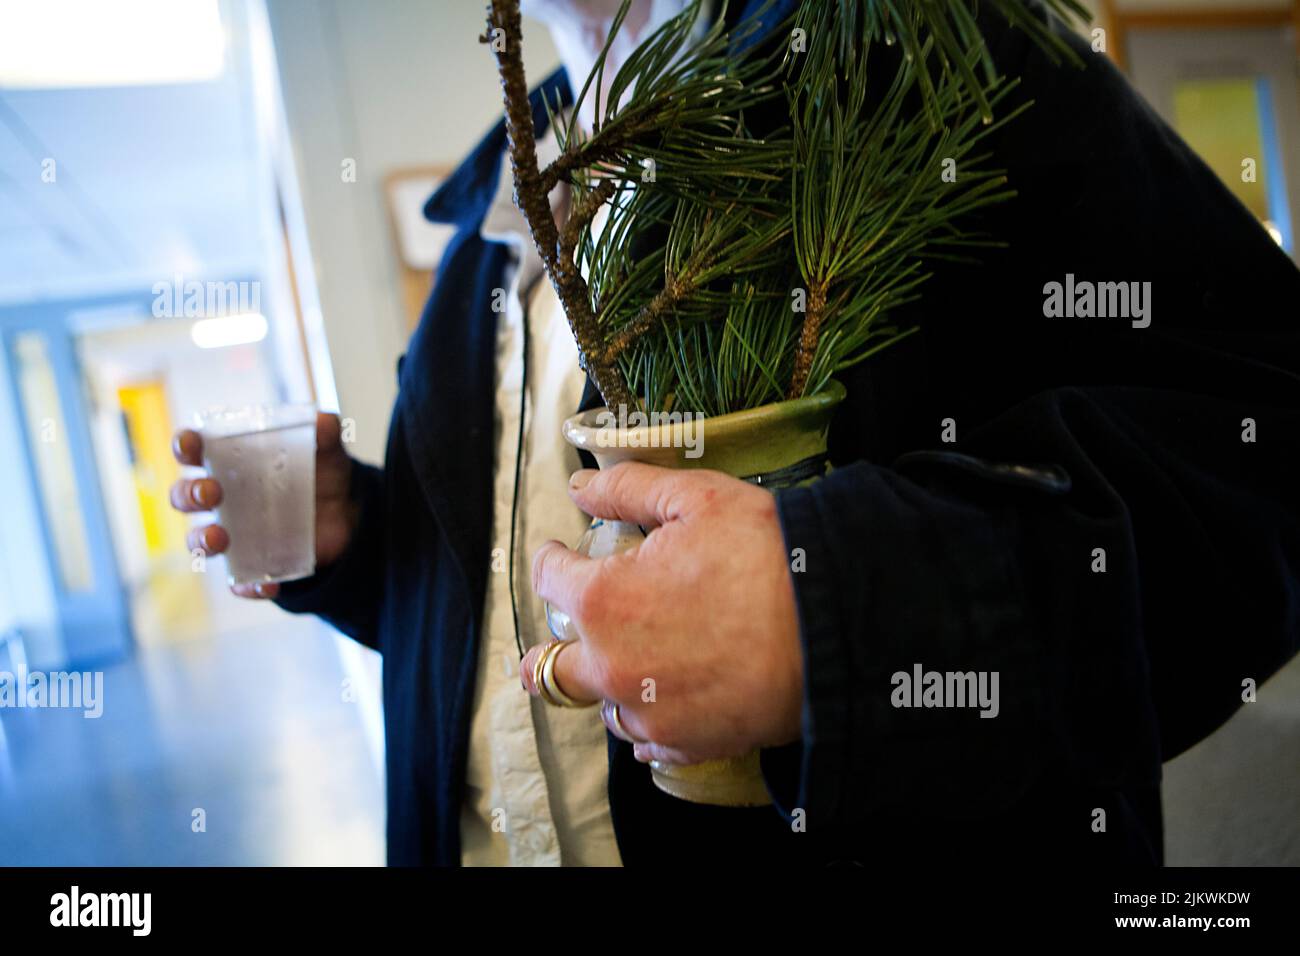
point(264, 456)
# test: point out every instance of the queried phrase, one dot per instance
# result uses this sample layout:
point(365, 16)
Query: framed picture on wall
point(419, 244)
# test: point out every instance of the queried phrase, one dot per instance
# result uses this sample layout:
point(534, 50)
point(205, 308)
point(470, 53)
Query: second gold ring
point(548, 688)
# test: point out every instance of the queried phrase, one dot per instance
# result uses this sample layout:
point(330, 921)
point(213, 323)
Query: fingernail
point(579, 479)
point(196, 492)
point(259, 590)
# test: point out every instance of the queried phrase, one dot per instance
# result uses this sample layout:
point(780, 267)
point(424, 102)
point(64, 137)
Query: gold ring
point(537, 670)
point(548, 688)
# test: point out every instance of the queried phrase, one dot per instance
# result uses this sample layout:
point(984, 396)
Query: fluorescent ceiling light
point(229, 330)
point(77, 43)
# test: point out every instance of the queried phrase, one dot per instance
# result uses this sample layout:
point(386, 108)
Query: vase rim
point(582, 431)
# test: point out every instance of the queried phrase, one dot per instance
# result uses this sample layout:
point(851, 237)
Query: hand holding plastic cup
point(264, 457)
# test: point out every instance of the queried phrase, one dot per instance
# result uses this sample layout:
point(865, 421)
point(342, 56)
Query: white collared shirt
point(537, 777)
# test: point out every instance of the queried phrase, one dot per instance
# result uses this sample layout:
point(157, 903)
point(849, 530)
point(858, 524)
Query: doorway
point(88, 602)
point(1229, 88)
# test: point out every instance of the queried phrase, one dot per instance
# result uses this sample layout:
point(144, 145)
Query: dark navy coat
point(1074, 437)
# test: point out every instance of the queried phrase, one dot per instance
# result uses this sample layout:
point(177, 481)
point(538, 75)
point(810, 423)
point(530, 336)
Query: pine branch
point(681, 298)
point(651, 316)
point(949, 29)
point(532, 197)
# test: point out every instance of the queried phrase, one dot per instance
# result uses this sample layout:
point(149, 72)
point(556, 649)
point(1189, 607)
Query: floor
point(250, 733)
point(1234, 798)
point(255, 729)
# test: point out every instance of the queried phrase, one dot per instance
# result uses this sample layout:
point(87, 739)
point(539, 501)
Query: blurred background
point(219, 201)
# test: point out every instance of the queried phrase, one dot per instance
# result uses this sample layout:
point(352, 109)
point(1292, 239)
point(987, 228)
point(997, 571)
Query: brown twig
point(809, 335)
point(674, 290)
point(531, 194)
point(583, 212)
point(600, 148)
point(572, 159)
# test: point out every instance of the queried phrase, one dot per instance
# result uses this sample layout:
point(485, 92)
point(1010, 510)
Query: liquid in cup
point(264, 456)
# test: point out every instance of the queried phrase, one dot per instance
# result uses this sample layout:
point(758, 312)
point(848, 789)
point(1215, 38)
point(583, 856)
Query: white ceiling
point(150, 181)
point(155, 180)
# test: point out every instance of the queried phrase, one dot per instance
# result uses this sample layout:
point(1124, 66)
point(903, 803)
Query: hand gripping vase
point(775, 446)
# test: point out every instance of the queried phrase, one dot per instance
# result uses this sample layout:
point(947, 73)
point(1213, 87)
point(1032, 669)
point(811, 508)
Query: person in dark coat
point(1100, 516)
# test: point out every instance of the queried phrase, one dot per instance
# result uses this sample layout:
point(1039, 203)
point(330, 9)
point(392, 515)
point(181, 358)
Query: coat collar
point(464, 197)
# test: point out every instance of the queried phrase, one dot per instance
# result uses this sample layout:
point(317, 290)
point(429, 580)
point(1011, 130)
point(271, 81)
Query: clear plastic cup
point(264, 456)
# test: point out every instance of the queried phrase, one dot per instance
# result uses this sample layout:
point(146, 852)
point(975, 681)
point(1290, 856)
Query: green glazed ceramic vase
point(774, 446)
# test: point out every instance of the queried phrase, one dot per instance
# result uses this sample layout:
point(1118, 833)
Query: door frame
point(1122, 22)
point(1209, 43)
point(95, 626)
